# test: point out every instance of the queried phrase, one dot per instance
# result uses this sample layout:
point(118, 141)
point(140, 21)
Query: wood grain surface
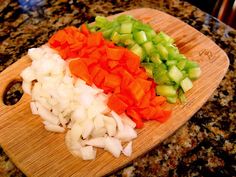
point(38, 152)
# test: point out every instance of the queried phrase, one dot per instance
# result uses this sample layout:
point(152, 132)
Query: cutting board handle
point(11, 74)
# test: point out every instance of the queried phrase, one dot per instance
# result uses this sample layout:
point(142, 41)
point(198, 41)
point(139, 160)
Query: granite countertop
point(204, 146)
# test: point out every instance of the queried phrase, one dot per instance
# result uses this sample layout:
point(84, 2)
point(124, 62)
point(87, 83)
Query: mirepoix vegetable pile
point(98, 83)
point(163, 62)
point(114, 69)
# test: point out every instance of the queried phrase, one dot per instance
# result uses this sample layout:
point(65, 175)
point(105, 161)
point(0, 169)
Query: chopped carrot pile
point(114, 69)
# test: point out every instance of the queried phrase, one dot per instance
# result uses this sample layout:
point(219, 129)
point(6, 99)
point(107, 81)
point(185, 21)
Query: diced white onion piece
point(46, 67)
point(68, 80)
point(99, 132)
point(103, 98)
point(79, 82)
point(127, 151)
point(62, 120)
point(26, 86)
point(110, 125)
point(86, 99)
point(71, 144)
point(88, 153)
point(127, 134)
point(75, 145)
point(54, 128)
point(46, 114)
point(75, 153)
point(56, 110)
point(28, 74)
point(98, 122)
point(118, 120)
point(69, 125)
point(43, 101)
point(114, 146)
point(35, 53)
point(88, 127)
point(79, 115)
point(83, 88)
point(33, 108)
point(92, 112)
point(76, 132)
point(127, 121)
point(97, 89)
point(97, 142)
point(36, 90)
point(101, 107)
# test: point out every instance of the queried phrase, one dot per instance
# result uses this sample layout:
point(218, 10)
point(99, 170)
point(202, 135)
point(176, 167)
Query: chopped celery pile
point(163, 62)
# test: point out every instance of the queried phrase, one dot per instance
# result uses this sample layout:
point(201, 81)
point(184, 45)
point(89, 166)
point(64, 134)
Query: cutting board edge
point(185, 121)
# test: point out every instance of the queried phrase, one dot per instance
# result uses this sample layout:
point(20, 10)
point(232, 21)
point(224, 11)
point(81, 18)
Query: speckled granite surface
point(204, 146)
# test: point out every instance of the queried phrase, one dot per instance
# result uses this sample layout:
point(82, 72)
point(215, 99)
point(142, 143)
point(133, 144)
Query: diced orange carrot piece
point(79, 69)
point(84, 29)
point(116, 104)
point(115, 53)
point(112, 81)
point(158, 101)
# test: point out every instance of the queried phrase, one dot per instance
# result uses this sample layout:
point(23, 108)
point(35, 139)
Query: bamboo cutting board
point(38, 152)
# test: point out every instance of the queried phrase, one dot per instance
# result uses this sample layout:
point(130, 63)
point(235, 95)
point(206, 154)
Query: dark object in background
point(224, 10)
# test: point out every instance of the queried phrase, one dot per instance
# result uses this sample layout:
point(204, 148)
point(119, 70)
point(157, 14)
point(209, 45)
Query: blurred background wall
point(225, 10)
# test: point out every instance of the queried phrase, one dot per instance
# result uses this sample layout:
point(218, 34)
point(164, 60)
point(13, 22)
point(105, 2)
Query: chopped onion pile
point(67, 103)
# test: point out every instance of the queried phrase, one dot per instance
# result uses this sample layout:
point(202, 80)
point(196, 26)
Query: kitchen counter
point(204, 146)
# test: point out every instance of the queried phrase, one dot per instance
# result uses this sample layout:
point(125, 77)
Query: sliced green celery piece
point(157, 39)
point(93, 28)
point(115, 37)
point(185, 74)
point(101, 21)
point(107, 33)
point(162, 51)
point(114, 25)
point(160, 74)
point(139, 26)
point(162, 37)
point(150, 34)
point(180, 57)
point(171, 99)
point(148, 68)
point(175, 74)
point(176, 86)
point(181, 64)
point(140, 37)
point(146, 59)
point(155, 58)
point(126, 28)
point(166, 90)
point(125, 37)
point(148, 46)
point(162, 78)
point(181, 96)
point(186, 84)
point(194, 73)
point(124, 18)
point(191, 64)
point(160, 67)
point(171, 62)
point(129, 42)
point(138, 50)
point(172, 51)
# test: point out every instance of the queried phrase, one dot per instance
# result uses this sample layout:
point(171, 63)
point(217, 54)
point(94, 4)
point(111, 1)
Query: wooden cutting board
point(38, 152)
